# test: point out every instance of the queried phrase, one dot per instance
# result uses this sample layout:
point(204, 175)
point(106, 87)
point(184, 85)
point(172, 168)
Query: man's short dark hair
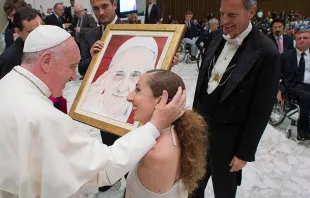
point(248, 4)
point(277, 20)
point(188, 12)
point(24, 14)
point(56, 4)
point(10, 5)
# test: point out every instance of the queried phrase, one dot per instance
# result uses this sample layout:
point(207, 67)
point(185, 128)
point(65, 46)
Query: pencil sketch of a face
point(107, 95)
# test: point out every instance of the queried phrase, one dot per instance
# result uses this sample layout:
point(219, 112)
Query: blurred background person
point(10, 7)
point(83, 23)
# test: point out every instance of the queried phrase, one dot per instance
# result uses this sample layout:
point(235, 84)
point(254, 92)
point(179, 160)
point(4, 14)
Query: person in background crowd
point(10, 7)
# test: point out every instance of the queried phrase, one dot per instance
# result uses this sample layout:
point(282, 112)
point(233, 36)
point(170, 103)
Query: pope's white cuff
point(155, 133)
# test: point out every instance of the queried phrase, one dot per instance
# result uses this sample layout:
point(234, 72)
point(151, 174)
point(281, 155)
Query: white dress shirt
point(307, 67)
point(229, 50)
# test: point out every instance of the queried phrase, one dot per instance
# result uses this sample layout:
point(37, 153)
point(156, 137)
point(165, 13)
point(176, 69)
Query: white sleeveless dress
point(135, 189)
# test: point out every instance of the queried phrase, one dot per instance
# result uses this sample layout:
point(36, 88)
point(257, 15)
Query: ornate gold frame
point(178, 31)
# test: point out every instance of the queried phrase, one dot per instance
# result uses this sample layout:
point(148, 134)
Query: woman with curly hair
point(172, 168)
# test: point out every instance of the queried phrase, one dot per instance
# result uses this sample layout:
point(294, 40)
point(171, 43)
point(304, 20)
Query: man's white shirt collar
point(299, 52)
point(239, 39)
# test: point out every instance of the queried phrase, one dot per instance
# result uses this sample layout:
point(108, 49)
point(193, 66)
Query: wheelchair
point(284, 110)
point(184, 54)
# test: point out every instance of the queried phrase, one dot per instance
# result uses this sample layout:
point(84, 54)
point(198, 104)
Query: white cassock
point(43, 152)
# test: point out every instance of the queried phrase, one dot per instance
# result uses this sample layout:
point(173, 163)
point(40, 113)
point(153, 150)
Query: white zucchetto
point(45, 37)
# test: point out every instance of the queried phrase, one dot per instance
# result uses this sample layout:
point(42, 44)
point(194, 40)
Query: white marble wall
point(281, 170)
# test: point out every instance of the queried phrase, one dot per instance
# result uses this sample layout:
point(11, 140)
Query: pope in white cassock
point(43, 152)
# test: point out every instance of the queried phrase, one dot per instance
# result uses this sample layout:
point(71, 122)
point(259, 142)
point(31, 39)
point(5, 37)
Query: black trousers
point(302, 92)
point(221, 152)
point(108, 138)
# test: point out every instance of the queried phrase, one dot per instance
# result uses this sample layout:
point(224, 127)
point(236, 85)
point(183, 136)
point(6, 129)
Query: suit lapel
point(209, 55)
point(246, 60)
point(285, 43)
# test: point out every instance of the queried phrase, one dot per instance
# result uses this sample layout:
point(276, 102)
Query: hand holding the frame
point(96, 48)
point(165, 114)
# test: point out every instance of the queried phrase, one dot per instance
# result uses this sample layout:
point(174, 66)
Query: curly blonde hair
point(191, 130)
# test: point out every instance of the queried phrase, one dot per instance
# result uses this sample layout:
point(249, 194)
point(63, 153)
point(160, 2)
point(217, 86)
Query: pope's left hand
point(175, 60)
point(237, 164)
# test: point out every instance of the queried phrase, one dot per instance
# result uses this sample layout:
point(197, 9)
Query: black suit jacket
point(8, 35)
point(53, 20)
point(68, 15)
point(191, 32)
point(11, 57)
point(90, 39)
point(243, 110)
point(289, 64)
point(288, 42)
point(205, 38)
point(154, 15)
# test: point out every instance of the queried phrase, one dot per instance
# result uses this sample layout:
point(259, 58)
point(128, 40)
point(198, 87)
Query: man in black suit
point(69, 12)
point(296, 80)
point(104, 11)
point(235, 93)
point(152, 13)
point(84, 23)
point(25, 20)
point(206, 36)
point(282, 41)
point(190, 34)
point(57, 17)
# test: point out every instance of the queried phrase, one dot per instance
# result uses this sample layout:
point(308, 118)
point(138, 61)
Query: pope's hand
point(96, 48)
point(165, 114)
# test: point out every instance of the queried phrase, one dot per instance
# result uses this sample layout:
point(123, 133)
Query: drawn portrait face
point(107, 96)
point(123, 74)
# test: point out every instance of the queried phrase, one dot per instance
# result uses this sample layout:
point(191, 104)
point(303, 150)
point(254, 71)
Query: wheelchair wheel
point(182, 52)
point(278, 113)
point(199, 61)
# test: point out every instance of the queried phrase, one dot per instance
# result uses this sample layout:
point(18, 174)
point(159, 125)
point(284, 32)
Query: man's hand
point(175, 60)
point(96, 48)
point(165, 114)
point(67, 25)
point(237, 164)
point(15, 36)
point(279, 97)
point(77, 29)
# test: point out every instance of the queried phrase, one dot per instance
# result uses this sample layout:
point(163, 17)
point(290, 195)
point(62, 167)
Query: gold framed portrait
point(129, 51)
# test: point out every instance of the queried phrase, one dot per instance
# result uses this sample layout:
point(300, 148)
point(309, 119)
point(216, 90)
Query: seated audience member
point(172, 168)
point(282, 41)
point(296, 80)
point(206, 36)
point(133, 19)
point(190, 34)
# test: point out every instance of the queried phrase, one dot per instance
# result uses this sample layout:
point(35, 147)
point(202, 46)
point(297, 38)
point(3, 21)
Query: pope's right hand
point(96, 48)
point(165, 114)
